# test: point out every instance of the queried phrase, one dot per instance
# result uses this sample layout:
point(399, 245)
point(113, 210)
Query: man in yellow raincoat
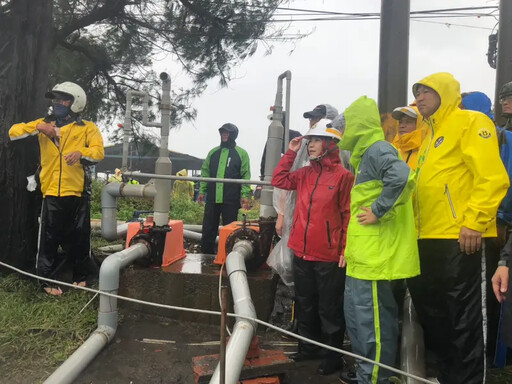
point(461, 181)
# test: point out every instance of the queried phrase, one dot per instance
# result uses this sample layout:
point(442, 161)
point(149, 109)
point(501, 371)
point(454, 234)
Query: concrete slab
point(192, 282)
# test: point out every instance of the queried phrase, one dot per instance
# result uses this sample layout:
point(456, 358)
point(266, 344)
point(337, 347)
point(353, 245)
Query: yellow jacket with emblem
point(58, 178)
point(461, 179)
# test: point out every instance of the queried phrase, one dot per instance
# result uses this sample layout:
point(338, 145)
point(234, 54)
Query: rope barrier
point(218, 313)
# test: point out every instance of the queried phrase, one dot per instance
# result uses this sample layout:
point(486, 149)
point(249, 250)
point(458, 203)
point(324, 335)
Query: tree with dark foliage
point(108, 47)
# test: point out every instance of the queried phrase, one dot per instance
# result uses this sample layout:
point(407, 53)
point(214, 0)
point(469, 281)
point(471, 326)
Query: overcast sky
point(335, 64)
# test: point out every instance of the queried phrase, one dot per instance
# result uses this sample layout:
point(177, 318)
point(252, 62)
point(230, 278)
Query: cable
point(220, 296)
point(209, 312)
point(451, 24)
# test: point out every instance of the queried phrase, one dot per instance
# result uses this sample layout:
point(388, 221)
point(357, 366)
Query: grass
point(39, 331)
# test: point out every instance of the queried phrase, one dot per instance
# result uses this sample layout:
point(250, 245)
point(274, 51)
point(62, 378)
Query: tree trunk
point(25, 43)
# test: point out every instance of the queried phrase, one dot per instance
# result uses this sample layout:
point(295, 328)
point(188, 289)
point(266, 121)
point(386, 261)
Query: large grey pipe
point(412, 352)
point(244, 330)
point(163, 164)
point(274, 146)
point(109, 196)
point(288, 76)
point(187, 234)
point(107, 316)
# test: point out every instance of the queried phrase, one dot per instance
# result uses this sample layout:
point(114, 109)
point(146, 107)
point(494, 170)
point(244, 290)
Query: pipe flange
point(256, 260)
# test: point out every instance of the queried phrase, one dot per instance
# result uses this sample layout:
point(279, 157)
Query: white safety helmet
point(324, 128)
point(73, 90)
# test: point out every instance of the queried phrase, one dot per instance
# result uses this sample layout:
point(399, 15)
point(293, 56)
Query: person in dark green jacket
point(381, 240)
point(227, 161)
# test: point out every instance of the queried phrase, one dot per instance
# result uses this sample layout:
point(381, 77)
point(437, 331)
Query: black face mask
point(60, 111)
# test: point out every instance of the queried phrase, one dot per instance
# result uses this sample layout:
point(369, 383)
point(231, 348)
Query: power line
point(451, 24)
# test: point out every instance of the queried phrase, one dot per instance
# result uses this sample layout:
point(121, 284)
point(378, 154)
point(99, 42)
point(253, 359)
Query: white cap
point(399, 112)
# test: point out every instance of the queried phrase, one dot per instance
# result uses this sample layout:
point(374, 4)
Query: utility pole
point(394, 54)
point(504, 59)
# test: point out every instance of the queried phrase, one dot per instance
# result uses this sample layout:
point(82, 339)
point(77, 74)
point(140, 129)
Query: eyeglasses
point(506, 99)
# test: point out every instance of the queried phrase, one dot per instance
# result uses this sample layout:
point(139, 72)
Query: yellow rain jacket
point(58, 178)
point(183, 188)
point(409, 144)
point(461, 179)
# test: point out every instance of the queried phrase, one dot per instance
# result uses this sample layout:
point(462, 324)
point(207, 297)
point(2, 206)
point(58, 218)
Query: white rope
point(220, 296)
point(217, 313)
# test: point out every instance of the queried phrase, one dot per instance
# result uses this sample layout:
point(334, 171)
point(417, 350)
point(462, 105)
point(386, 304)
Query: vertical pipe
point(223, 318)
point(504, 59)
point(393, 54)
point(412, 352)
point(163, 164)
point(126, 130)
point(107, 316)
point(128, 124)
point(273, 154)
point(244, 329)
point(287, 116)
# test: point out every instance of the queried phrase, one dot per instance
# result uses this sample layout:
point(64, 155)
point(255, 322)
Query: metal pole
point(196, 178)
point(393, 54)
point(223, 318)
point(127, 125)
point(287, 116)
point(504, 59)
point(163, 164)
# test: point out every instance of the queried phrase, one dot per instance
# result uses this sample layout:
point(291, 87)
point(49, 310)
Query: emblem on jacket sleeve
point(484, 133)
point(439, 141)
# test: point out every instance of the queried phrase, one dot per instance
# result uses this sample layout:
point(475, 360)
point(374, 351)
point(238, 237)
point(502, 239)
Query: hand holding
point(279, 224)
point(47, 129)
point(200, 199)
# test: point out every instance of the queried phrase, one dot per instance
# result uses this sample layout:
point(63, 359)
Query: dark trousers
point(211, 220)
point(450, 304)
point(319, 291)
point(65, 221)
point(492, 256)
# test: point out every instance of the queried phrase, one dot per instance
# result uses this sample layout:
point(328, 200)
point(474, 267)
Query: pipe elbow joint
point(107, 332)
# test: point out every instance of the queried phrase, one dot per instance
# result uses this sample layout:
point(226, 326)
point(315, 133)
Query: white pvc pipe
point(244, 330)
point(195, 236)
point(107, 316)
point(109, 195)
point(412, 353)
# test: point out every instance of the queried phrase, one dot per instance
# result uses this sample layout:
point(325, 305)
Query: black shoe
point(329, 365)
point(348, 375)
point(302, 356)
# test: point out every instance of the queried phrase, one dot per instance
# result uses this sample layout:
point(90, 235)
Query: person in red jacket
point(317, 239)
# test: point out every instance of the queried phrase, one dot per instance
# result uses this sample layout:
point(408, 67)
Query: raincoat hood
point(232, 129)
point(448, 90)
point(362, 128)
point(183, 172)
point(478, 101)
point(412, 140)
